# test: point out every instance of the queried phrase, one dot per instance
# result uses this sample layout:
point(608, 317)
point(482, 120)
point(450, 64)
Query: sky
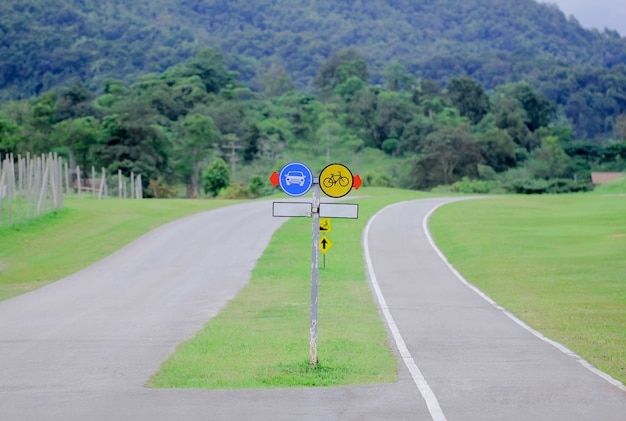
point(597, 14)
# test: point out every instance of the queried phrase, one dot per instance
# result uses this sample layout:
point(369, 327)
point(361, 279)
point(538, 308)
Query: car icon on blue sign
point(295, 177)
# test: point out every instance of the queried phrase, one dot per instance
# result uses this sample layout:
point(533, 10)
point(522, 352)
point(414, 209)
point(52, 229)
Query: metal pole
point(315, 255)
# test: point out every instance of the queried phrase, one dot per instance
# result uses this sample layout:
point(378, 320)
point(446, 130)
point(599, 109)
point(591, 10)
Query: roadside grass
point(261, 338)
point(41, 251)
point(557, 262)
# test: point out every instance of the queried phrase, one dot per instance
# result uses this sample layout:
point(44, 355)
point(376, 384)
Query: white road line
point(565, 350)
point(432, 403)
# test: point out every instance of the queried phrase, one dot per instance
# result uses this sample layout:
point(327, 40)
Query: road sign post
point(296, 179)
point(315, 258)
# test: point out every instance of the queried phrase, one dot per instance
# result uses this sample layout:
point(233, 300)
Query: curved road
point(84, 347)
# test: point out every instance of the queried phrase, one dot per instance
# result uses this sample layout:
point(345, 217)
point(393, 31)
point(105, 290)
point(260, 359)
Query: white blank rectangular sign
point(289, 209)
point(339, 210)
point(327, 210)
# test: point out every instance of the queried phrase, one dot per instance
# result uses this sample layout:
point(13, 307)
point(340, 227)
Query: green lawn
point(557, 262)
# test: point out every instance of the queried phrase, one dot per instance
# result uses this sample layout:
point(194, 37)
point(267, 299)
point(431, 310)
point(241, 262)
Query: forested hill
point(495, 41)
point(46, 43)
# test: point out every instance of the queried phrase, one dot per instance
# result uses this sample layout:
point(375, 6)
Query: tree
point(510, 116)
point(251, 143)
point(614, 158)
point(361, 113)
point(230, 116)
point(620, 127)
point(114, 92)
point(426, 89)
point(42, 119)
point(216, 177)
point(348, 89)
point(8, 135)
point(444, 155)
point(339, 68)
point(256, 186)
point(390, 146)
point(498, 149)
point(209, 66)
point(131, 141)
point(274, 135)
point(394, 111)
point(75, 101)
point(548, 161)
point(190, 91)
point(80, 136)
point(539, 111)
point(415, 132)
point(397, 78)
point(152, 89)
point(328, 137)
point(450, 117)
point(469, 97)
point(198, 135)
point(276, 81)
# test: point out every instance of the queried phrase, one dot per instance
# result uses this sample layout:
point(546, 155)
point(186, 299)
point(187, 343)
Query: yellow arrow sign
point(325, 244)
point(325, 225)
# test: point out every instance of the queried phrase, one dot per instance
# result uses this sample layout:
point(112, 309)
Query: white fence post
point(2, 189)
point(92, 182)
point(119, 184)
point(139, 187)
point(79, 181)
point(132, 185)
point(29, 183)
point(10, 189)
point(102, 184)
point(42, 189)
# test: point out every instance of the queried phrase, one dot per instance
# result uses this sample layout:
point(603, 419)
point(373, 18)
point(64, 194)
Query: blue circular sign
point(295, 179)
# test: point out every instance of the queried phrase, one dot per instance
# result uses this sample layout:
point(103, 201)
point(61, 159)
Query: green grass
point(557, 262)
point(35, 253)
point(261, 338)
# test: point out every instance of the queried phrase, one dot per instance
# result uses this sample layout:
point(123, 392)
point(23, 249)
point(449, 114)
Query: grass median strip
point(261, 338)
point(557, 262)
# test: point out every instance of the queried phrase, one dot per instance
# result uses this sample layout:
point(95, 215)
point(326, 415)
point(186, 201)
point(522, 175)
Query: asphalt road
point(84, 347)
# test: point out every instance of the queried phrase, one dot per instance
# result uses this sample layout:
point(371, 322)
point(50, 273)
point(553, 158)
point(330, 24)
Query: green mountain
point(494, 41)
point(46, 43)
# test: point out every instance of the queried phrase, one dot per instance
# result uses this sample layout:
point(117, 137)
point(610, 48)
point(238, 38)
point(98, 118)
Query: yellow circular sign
point(336, 180)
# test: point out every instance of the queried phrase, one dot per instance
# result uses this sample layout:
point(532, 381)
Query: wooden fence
point(33, 186)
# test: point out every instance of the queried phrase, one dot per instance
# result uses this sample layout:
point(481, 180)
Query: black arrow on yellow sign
point(325, 244)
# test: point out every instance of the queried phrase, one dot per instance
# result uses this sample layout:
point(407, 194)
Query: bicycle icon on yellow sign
point(336, 180)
